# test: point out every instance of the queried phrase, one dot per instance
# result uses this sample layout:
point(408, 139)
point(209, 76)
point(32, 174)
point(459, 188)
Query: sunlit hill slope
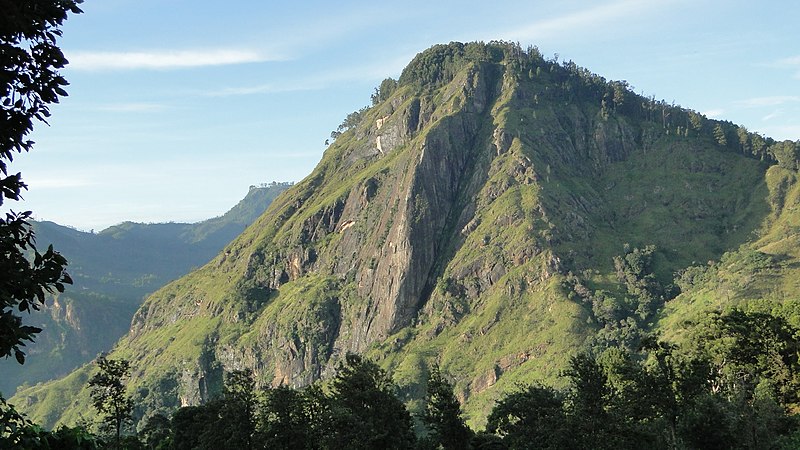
point(471, 218)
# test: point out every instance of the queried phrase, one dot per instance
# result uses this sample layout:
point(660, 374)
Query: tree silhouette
point(534, 414)
point(287, 418)
point(157, 433)
point(443, 414)
point(108, 394)
point(29, 83)
point(236, 424)
point(366, 412)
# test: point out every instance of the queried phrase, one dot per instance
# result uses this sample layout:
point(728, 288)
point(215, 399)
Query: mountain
point(493, 212)
point(113, 271)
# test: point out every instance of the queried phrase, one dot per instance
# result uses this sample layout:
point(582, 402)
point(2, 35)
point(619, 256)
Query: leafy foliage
point(787, 153)
point(664, 397)
point(439, 64)
point(24, 284)
point(228, 421)
point(624, 316)
point(365, 410)
point(384, 91)
point(30, 78)
point(534, 414)
point(752, 353)
point(236, 425)
point(290, 418)
point(442, 414)
point(157, 433)
point(351, 121)
point(108, 394)
point(29, 83)
point(17, 432)
point(361, 411)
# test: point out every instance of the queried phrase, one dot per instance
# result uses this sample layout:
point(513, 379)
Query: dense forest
point(736, 387)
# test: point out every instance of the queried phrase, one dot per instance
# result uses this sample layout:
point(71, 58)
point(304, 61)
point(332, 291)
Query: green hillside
point(113, 271)
point(763, 274)
point(493, 213)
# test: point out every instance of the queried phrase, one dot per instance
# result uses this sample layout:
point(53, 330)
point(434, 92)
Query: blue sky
point(177, 106)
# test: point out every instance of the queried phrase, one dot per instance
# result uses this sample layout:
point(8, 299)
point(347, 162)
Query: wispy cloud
point(791, 62)
point(586, 19)
point(356, 73)
point(164, 59)
point(775, 100)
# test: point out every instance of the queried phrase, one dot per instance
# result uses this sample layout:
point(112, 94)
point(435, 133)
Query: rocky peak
point(443, 227)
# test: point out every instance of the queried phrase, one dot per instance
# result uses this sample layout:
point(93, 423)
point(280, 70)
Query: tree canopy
point(29, 83)
point(109, 396)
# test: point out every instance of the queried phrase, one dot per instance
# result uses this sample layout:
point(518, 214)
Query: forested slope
point(492, 213)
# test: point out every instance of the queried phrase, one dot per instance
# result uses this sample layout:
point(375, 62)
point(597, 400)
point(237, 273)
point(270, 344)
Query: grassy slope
point(764, 273)
point(687, 196)
point(555, 201)
point(113, 271)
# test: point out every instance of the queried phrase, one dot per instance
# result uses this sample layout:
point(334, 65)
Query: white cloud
point(379, 70)
point(163, 59)
point(586, 19)
point(775, 100)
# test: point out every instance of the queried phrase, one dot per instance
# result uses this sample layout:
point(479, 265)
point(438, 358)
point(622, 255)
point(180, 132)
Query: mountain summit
point(493, 212)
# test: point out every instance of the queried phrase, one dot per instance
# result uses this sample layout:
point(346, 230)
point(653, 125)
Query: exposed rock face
point(386, 233)
point(438, 230)
point(386, 230)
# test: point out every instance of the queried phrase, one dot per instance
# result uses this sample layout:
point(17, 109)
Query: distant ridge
point(113, 271)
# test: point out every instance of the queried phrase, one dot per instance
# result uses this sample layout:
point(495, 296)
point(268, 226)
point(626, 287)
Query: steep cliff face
point(464, 221)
